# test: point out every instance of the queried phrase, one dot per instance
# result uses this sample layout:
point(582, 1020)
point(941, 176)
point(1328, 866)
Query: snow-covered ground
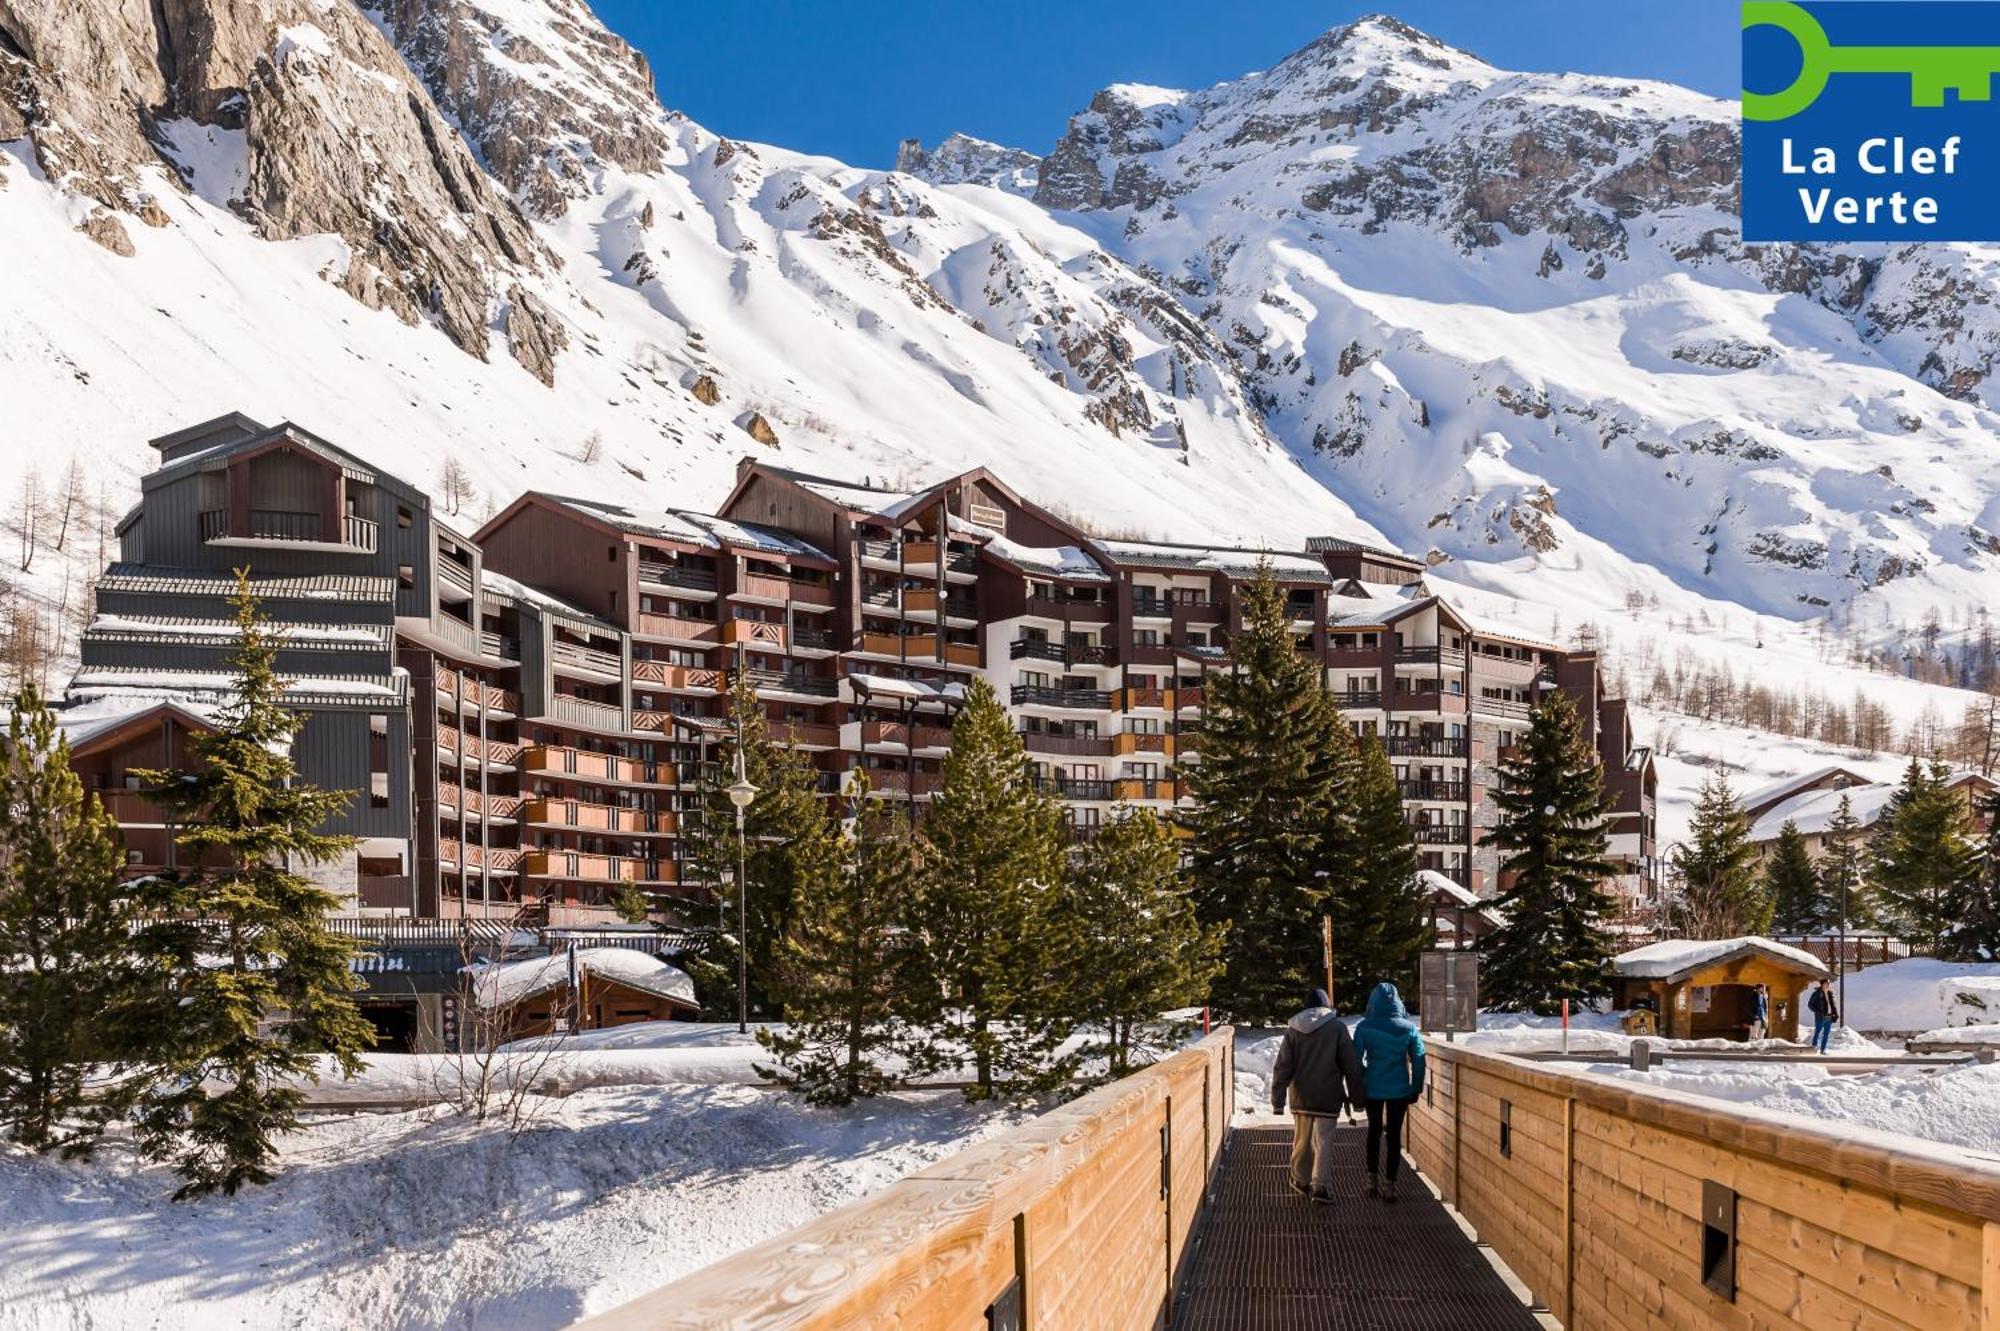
point(1911, 995)
point(426, 1220)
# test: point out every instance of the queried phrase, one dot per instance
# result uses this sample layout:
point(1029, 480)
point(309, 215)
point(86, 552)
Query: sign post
point(1448, 983)
point(1326, 953)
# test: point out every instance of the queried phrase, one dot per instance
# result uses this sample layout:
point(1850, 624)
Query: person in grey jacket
point(1319, 1069)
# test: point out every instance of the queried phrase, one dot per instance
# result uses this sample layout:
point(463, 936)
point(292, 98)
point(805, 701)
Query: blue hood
point(1385, 1004)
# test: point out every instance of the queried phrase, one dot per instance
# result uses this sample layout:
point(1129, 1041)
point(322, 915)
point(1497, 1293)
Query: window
point(404, 517)
point(406, 578)
point(611, 554)
point(378, 761)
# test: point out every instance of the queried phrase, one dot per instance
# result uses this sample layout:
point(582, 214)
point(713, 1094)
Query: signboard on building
point(1448, 985)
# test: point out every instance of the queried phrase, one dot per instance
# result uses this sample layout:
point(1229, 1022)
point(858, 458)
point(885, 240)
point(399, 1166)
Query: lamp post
point(741, 792)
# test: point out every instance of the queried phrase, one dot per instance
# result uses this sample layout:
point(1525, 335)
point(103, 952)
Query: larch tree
point(1146, 951)
point(1267, 818)
point(65, 930)
point(1378, 909)
point(791, 844)
point(259, 985)
point(994, 936)
point(1552, 943)
point(849, 965)
point(1792, 885)
point(1718, 867)
point(1922, 860)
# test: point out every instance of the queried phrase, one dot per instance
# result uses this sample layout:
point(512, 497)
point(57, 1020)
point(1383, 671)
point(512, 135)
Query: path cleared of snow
point(423, 1220)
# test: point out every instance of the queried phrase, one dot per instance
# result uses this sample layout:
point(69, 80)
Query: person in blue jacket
point(1392, 1076)
point(1760, 1012)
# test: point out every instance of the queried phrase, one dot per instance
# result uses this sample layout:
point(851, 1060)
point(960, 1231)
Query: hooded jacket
point(1392, 1052)
point(1316, 1063)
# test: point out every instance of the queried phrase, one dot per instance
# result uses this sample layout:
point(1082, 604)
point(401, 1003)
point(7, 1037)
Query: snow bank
point(608, 1194)
point(1909, 995)
point(1970, 1000)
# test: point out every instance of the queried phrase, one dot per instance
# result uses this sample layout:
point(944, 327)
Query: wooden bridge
point(1617, 1206)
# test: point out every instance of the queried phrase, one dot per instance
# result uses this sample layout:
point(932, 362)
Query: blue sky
point(851, 78)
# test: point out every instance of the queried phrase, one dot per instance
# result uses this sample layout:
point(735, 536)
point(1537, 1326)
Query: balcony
point(1136, 700)
point(813, 640)
point(598, 817)
point(1511, 708)
point(455, 573)
point(678, 678)
point(1354, 658)
point(1067, 746)
point(1510, 670)
point(1032, 649)
point(1133, 742)
point(1428, 700)
point(588, 765)
point(466, 856)
point(898, 644)
point(1358, 698)
point(754, 633)
point(586, 712)
point(793, 682)
point(384, 892)
point(1072, 611)
point(1439, 834)
point(678, 576)
point(1081, 700)
point(805, 734)
point(1453, 792)
point(272, 526)
point(880, 552)
point(676, 629)
point(588, 660)
point(1144, 789)
point(1437, 656)
point(1427, 746)
point(469, 748)
point(471, 804)
point(576, 865)
point(900, 735)
point(893, 781)
point(1187, 699)
point(1075, 790)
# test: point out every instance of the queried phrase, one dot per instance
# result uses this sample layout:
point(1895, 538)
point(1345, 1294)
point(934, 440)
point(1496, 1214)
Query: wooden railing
point(1625, 1207)
point(1082, 1214)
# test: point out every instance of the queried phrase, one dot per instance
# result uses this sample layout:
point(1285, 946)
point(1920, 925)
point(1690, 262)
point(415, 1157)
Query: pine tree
point(1379, 918)
point(65, 926)
point(790, 840)
point(1147, 952)
point(1842, 880)
point(259, 984)
point(1792, 885)
point(848, 964)
point(1266, 819)
point(1718, 867)
point(1922, 860)
point(1978, 938)
point(993, 935)
point(631, 903)
point(1551, 943)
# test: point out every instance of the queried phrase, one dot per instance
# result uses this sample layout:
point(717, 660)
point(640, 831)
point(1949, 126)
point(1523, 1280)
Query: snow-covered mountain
point(1381, 290)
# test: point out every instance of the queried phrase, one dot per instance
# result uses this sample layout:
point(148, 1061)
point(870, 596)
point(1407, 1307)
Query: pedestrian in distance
point(1826, 1011)
point(1392, 1075)
point(1318, 1068)
point(1760, 1012)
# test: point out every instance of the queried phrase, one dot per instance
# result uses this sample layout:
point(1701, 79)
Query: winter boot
point(1389, 1188)
point(1324, 1196)
point(1374, 1185)
point(1295, 1185)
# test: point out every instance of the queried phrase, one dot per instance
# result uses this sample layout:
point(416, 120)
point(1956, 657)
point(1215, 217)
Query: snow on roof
point(1791, 785)
point(1368, 608)
point(1286, 566)
point(704, 530)
point(522, 593)
point(1431, 881)
point(1060, 561)
point(85, 721)
point(172, 627)
point(1487, 626)
point(498, 984)
point(915, 689)
point(204, 582)
point(1813, 811)
point(187, 688)
point(1676, 957)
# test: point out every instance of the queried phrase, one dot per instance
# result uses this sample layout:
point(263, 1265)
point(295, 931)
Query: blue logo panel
point(1871, 120)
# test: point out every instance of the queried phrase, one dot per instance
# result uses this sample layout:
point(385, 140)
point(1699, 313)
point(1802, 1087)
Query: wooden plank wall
point(1597, 1205)
point(1072, 1203)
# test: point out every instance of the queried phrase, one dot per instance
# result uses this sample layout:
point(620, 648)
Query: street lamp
point(740, 793)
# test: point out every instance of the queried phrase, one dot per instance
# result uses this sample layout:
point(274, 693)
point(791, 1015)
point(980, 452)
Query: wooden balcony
point(894, 644)
point(678, 678)
point(1072, 612)
point(586, 765)
point(1142, 789)
point(1512, 708)
point(1426, 746)
point(755, 633)
point(130, 808)
point(587, 713)
point(598, 817)
point(588, 660)
point(1134, 700)
point(678, 576)
point(763, 587)
point(806, 734)
point(1138, 743)
point(1187, 700)
point(469, 748)
point(266, 526)
point(1514, 671)
point(899, 735)
point(1427, 700)
point(469, 856)
point(1439, 834)
point(1449, 792)
point(452, 802)
point(580, 866)
point(883, 781)
point(383, 892)
point(960, 653)
point(676, 629)
point(1067, 746)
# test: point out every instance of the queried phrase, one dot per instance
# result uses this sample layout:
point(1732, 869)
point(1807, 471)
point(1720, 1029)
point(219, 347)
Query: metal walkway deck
point(1270, 1260)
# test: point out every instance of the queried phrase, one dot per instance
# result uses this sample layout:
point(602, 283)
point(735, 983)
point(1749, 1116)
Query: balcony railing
point(1075, 612)
point(782, 681)
point(1424, 746)
point(1439, 834)
point(1087, 700)
point(585, 867)
point(455, 573)
point(586, 764)
point(1453, 791)
point(1512, 708)
point(1358, 697)
point(273, 524)
point(677, 628)
point(1186, 699)
point(806, 734)
point(1141, 742)
point(587, 712)
point(696, 679)
point(1067, 746)
point(598, 817)
point(1446, 656)
point(587, 658)
point(676, 575)
point(1141, 788)
point(1080, 790)
point(755, 633)
point(878, 549)
point(1427, 700)
point(383, 892)
point(816, 640)
point(1030, 649)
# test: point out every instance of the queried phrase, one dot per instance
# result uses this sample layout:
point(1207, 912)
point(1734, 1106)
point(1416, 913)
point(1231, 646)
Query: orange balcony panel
point(754, 632)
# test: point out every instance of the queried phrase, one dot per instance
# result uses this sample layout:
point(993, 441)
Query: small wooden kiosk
point(1702, 988)
point(583, 989)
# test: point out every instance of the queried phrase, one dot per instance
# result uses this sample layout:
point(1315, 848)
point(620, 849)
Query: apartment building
point(523, 711)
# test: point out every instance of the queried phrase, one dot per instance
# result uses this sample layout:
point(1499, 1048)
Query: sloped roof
point(305, 441)
point(498, 984)
point(153, 578)
point(704, 530)
point(1814, 810)
point(1680, 957)
point(1786, 786)
point(1232, 561)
